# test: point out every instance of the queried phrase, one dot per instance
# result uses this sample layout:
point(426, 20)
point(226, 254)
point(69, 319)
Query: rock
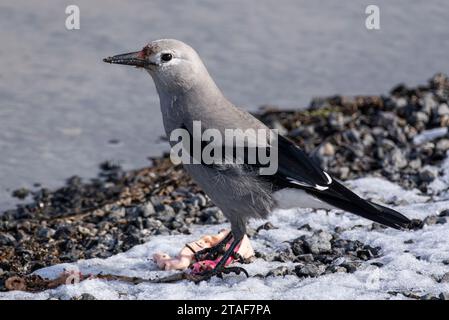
point(117, 213)
point(151, 223)
point(281, 271)
point(387, 119)
point(63, 232)
point(420, 117)
point(334, 269)
point(445, 278)
point(430, 220)
point(442, 145)
point(84, 296)
point(351, 267)
point(444, 213)
point(416, 224)
point(343, 172)
point(415, 164)
point(7, 239)
point(428, 174)
point(326, 149)
point(400, 90)
point(428, 296)
point(336, 120)
point(266, 226)
point(305, 227)
point(21, 193)
point(318, 243)
point(377, 264)
point(45, 233)
point(309, 270)
point(148, 209)
point(443, 109)
point(397, 159)
point(365, 254)
point(305, 257)
point(165, 212)
point(297, 247)
point(199, 201)
point(278, 126)
point(213, 215)
point(285, 255)
point(178, 206)
point(444, 296)
point(441, 220)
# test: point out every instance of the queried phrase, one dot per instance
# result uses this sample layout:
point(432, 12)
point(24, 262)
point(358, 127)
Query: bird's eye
point(166, 57)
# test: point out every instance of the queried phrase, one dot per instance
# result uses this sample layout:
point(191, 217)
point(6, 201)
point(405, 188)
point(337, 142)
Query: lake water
point(61, 105)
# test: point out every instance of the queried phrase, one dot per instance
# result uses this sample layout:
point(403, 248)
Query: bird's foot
point(217, 271)
point(214, 252)
point(210, 253)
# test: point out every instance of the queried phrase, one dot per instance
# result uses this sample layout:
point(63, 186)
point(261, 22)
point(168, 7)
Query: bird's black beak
point(131, 59)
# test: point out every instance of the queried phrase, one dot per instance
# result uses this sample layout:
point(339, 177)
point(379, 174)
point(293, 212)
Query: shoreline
point(351, 137)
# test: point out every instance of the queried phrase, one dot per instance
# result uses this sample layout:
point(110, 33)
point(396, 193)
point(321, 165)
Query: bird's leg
point(215, 251)
point(221, 268)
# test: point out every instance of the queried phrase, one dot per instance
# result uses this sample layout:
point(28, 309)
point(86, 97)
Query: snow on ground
point(412, 267)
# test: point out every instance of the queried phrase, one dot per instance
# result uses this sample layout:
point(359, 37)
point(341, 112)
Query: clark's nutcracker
point(187, 93)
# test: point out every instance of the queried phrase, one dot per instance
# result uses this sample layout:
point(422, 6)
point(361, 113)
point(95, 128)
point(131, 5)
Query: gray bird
point(187, 93)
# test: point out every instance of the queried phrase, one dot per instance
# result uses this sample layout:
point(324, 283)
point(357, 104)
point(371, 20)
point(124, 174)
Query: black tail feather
point(341, 197)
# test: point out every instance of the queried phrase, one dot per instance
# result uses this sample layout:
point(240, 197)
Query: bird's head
point(173, 64)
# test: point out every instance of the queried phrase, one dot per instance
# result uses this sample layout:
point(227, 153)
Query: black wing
point(295, 168)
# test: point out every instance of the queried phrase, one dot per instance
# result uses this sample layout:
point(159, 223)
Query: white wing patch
point(317, 186)
point(329, 179)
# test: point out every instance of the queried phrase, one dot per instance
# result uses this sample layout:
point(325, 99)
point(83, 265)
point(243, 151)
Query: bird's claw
point(210, 253)
point(206, 275)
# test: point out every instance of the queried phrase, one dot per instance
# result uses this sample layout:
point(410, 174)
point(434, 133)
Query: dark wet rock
point(319, 242)
point(428, 174)
point(309, 270)
point(441, 220)
point(45, 233)
point(21, 193)
point(284, 255)
point(298, 246)
point(266, 226)
point(117, 213)
point(305, 257)
point(397, 159)
point(377, 264)
point(444, 213)
point(430, 220)
point(445, 278)
point(429, 296)
point(7, 239)
point(84, 296)
point(334, 269)
point(416, 224)
point(350, 267)
point(213, 215)
point(281, 271)
point(443, 110)
point(305, 227)
point(444, 296)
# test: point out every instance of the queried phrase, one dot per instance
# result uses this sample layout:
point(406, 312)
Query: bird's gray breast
point(234, 190)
